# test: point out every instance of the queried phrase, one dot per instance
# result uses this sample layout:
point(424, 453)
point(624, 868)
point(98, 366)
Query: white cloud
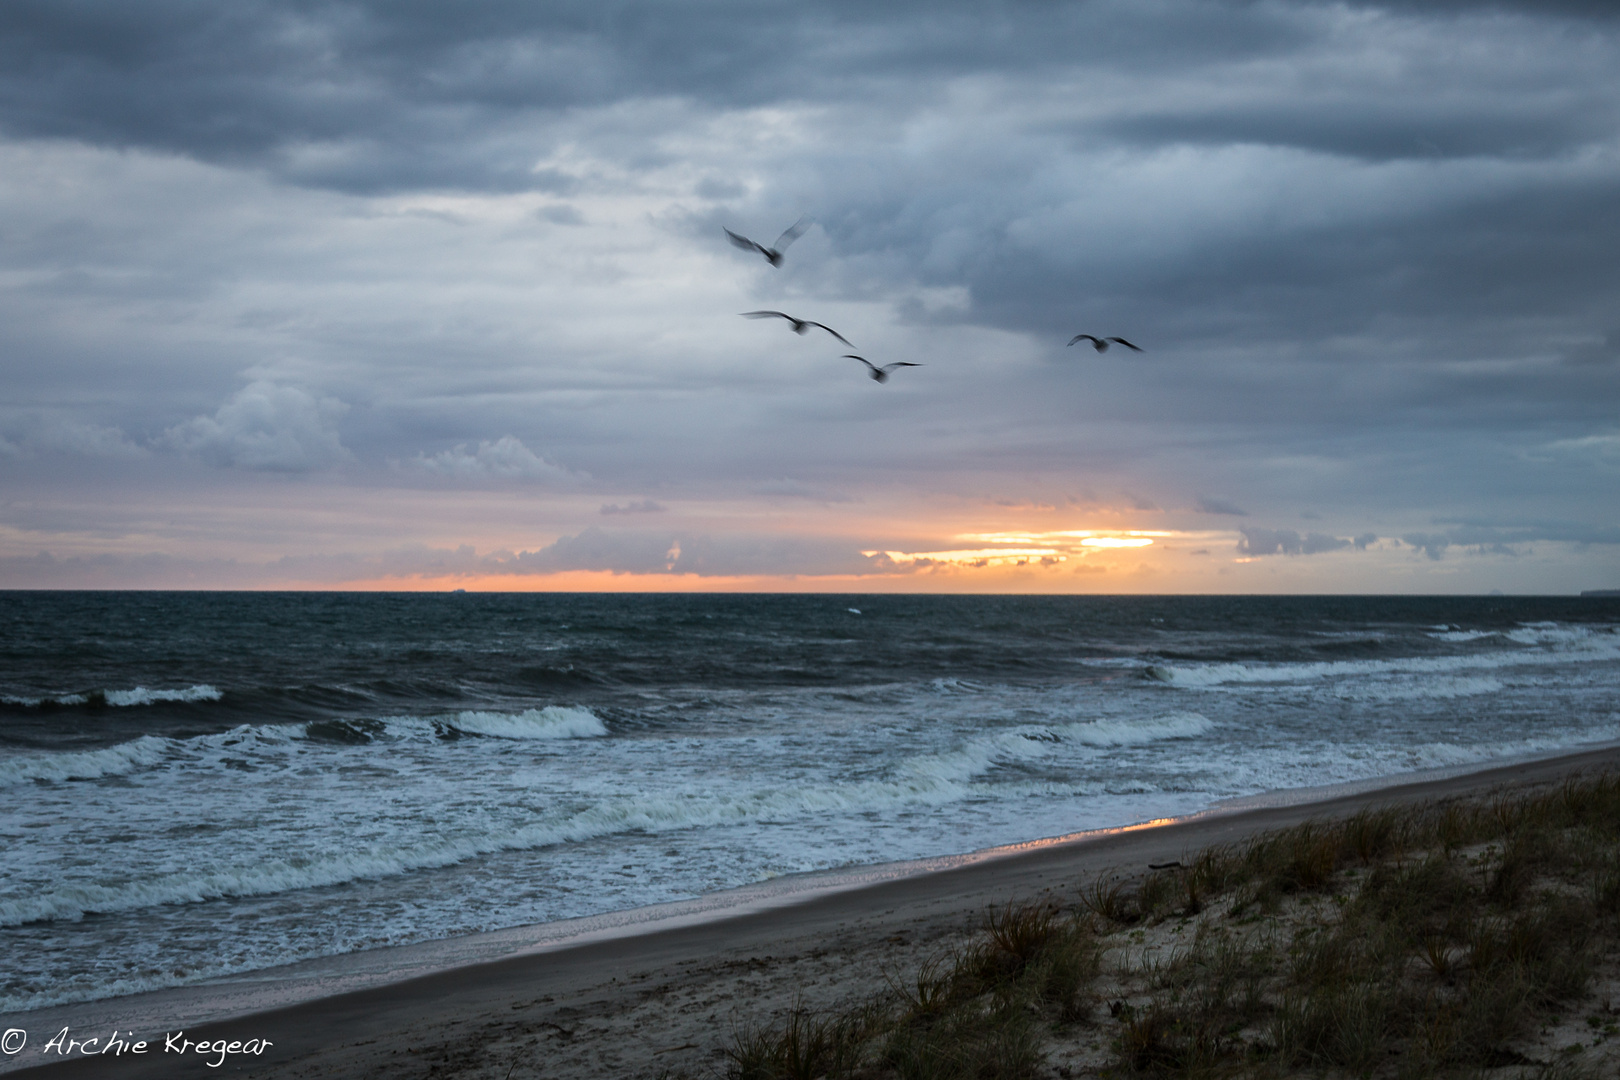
point(1599, 447)
point(506, 458)
point(265, 426)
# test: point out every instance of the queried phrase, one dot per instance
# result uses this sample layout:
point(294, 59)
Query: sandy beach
point(667, 1001)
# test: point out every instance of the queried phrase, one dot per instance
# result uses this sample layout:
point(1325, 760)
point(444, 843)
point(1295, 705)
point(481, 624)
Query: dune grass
point(1411, 942)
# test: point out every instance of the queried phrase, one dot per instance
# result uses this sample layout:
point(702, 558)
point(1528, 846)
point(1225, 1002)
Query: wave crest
point(551, 722)
point(142, 696)
point(1540, 646)
point(139, 695)
point(119, 760)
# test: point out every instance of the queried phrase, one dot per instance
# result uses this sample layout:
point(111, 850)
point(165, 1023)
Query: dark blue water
point(203, 783)
point(297, 657)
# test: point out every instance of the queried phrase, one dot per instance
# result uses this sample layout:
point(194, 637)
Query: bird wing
point(1125, 343)
point(901, 363)
point(862, 359)
point(793, 232)
point(1082, 337)
point(767, 315)
point(743, 242)
point(831, 331)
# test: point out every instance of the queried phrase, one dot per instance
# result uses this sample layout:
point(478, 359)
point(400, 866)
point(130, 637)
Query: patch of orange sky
point(1067, 561)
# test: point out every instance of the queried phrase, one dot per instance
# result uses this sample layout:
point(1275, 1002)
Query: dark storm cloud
point(1383, 131)
point(1600, 10)
point(369, 96)
point(1368, 250)
point(388, 91)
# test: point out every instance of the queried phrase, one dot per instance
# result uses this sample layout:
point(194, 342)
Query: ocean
point(196, 785)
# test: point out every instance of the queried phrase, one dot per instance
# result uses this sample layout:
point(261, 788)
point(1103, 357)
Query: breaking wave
point(551, 722)
point(1543, 645)
point(925, 780)
point(151, 751)
point(979, 756)
point(142, 753)
point(140, 695)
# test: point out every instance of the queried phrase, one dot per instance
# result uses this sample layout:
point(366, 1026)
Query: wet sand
point(667, 1001)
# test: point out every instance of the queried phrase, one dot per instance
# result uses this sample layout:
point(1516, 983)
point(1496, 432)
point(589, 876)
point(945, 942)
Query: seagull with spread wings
point(1101, 343)
point(773, 254)
point(800, 326)
point(879, 374)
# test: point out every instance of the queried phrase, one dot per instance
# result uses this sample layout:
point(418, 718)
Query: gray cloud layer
point(1367, 247)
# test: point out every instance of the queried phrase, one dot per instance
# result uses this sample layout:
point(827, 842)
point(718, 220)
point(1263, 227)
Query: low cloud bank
point(1478, 537)
point(1288, 542)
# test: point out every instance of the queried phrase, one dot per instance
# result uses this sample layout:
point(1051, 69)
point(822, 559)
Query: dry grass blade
point(1112, 901)
point(1473, 926)
point(1021, 930)
point(928, 994)
point(805, 1048)
point(1439, 954)
point(1373, 834)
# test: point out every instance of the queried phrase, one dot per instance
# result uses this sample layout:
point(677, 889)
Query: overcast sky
point(406, 295)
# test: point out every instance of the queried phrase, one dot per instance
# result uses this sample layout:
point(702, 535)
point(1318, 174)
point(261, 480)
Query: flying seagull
point(800, 326)
point(773, 254)
point(1101, 343)
point(879, 374)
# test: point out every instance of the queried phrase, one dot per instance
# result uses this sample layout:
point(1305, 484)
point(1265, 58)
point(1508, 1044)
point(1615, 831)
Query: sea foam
point(151, 751)
point(120, 760)
point(139, 695)
point(142, 696)
point(923, 780)
point(1546, 646)
point(551, 722)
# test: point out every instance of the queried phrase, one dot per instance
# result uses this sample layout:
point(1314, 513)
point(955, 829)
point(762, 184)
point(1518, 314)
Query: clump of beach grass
point(1433, 941)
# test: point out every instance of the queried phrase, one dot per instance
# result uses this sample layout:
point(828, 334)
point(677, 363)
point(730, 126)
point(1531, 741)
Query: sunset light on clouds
point(364, 297)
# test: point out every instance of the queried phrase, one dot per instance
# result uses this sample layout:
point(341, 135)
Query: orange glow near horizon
point(1022, 548)
point(971, 557)
point(1002, 562)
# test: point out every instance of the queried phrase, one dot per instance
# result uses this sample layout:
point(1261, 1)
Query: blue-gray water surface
point(204, 783)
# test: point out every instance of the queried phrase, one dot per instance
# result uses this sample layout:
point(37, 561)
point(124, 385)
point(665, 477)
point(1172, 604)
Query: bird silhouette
point(773, 254)
point(1101, 343)
point(879, 374)
point(800, 326)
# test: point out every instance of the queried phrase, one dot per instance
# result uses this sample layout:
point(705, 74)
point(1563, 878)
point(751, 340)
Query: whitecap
point(1547, 645)
point(551, 722)
point(142, 696)
point(120, 760)
point(1177, 725)
point(36, 702)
